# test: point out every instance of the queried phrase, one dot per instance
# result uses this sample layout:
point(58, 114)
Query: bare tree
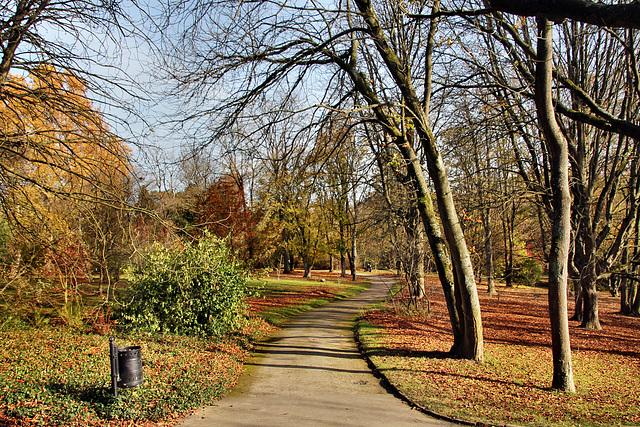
point(255, 49)
point(561, 230)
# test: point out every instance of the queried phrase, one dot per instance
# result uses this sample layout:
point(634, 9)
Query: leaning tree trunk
point(561, 215)
point(440, 258)
point(443, 267)
point(472, 344)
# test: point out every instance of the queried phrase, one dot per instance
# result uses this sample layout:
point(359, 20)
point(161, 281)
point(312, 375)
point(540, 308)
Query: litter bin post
point(113, 355)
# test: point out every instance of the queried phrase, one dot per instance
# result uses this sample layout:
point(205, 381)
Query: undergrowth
point(57, 376)
point(57, 373)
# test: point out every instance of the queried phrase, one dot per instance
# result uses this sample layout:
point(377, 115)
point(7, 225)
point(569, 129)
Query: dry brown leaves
point(513, 384)
point(287, 299)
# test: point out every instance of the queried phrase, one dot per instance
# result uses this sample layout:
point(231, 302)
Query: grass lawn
point(283, 297)
point(512, 386)
point(60, 375)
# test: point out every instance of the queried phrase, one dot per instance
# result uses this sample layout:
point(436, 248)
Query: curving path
point(310, 374)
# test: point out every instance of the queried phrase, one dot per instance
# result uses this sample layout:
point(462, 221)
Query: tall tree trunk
point(473, 347)
point(307, 266)
point(507, 227)
point(485, 209)
point(578, 313)
point(577, 261)
point(590, 319)
point(561, 215)
point(634, 298)
point(343, 244)
point(419, 279)
point(415, 233)
point(488, 251)
point(285, 255)
point(354, 246)
point(285, 260)
point(585, 239)
point(352, 264)
point(635, 307)
point(625, 296)
point(543, 234)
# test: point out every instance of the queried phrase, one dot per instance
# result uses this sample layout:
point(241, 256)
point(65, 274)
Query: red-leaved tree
point(222, 209)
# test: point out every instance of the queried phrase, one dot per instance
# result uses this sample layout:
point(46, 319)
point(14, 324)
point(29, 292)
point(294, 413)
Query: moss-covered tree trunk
point(472, 341)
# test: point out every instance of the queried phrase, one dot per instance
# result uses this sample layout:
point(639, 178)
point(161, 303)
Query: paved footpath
point(311, 374)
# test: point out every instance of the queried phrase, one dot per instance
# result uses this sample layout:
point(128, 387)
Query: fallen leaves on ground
point(290, 298)
point(512, 386)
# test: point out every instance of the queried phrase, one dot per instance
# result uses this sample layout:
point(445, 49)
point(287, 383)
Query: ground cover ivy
point(56, 376)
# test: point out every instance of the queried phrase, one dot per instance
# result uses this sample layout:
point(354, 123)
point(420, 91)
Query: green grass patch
point(281, 299)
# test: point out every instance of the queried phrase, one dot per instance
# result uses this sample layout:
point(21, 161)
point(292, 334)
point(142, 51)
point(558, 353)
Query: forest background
point(478, 140)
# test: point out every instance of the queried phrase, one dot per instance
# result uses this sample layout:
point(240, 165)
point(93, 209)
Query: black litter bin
point(130, 366)
point(126, 366)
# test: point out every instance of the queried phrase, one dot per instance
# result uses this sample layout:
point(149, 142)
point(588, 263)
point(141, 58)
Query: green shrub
point(528, 272)
point(196, 289)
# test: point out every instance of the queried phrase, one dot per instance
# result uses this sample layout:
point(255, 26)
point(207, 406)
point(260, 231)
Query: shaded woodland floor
point(512, 386)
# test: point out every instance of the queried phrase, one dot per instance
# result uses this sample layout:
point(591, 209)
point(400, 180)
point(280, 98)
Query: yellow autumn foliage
point(59, 163)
